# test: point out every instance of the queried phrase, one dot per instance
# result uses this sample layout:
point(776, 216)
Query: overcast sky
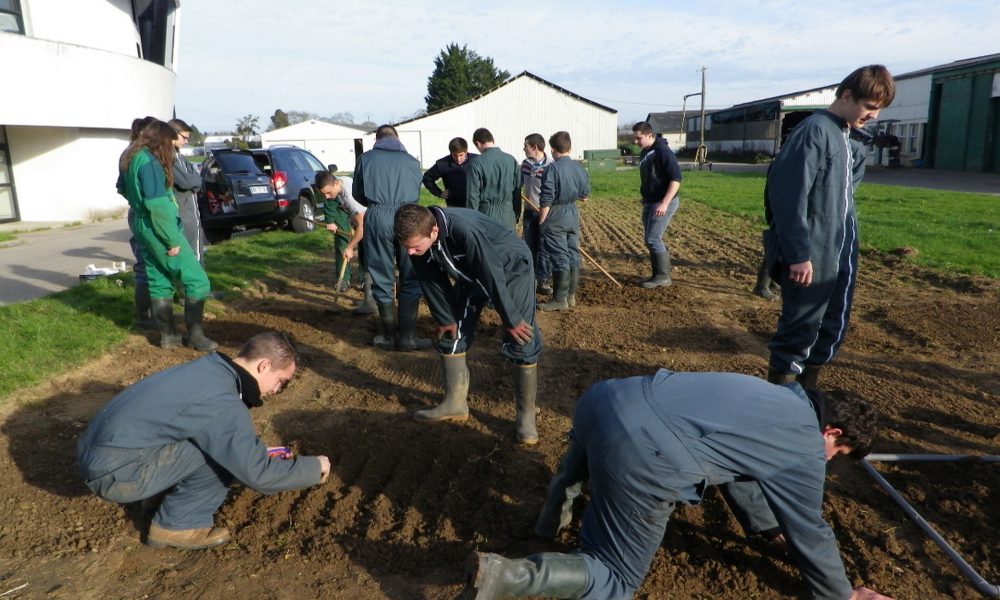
point(372, 58)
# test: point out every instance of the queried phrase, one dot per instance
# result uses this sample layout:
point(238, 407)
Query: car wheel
point(215, 236)
point(302, 223)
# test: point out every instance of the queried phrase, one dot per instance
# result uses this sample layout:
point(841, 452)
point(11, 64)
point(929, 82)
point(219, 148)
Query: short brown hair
point(853, 416)
point(276, 346)
point(561, 142)
point(873, 82)
point(482, 136)
point(413, 220)
point(386, 131)
point(458, 145)
point(535, 140)
point(642, 127)
point(325, 178)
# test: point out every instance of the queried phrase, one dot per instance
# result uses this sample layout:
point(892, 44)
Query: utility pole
point(702, 155)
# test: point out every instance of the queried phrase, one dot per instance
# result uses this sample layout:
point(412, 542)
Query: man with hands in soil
point(186, 433)
point(464, 261)
point(810, 194)
point(645, 444)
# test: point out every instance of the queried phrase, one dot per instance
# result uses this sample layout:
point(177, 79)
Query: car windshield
point(237, 162)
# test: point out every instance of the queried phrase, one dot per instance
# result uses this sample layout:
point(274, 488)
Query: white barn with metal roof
point(332, 143)
point(522, 105)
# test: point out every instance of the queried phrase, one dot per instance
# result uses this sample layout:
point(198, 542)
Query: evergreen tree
point(278, 120)
point(460, 74)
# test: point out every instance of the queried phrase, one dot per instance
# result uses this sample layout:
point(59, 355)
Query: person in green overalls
point(146, 180)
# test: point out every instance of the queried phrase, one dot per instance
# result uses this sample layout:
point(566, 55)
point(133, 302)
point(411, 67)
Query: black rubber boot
point(163, 312)
point(455, 406)
point(661, 270)
point(574, 283)
point(763, 286)
point(560, 285)
point(386, 338)
point(144, 308)
point(367, 306)
point(194, 314)
point(564, 488)
point(809, 376)
point(547, 574)
point(525, 393)
point(408, 339)
point(778, 377)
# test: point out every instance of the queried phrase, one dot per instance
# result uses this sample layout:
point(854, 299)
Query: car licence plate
point(258, 189)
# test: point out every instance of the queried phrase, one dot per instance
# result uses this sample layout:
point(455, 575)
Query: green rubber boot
point(455, 405)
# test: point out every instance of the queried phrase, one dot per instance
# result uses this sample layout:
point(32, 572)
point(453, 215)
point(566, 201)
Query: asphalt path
point(41, 262)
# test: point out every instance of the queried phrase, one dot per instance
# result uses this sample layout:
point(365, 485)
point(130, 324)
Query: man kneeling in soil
point(649, 443)
point(186, 432)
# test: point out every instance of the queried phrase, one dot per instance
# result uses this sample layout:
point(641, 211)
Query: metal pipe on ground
point(988, 589)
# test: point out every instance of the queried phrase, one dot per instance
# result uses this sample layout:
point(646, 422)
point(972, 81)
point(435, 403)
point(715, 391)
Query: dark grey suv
point(257, 188)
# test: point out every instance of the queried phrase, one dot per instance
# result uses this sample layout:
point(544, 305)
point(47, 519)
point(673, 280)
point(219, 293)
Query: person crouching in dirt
point(651, 442)
point(186, 433)
point(465, 260)
point(342, 213)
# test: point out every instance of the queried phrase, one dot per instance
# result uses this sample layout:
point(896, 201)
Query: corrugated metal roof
point(958, 64)
point(669, 121)
point(508, 82)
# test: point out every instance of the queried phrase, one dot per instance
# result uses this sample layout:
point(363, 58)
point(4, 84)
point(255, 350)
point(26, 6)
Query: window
point(913, 138)
point(8, 200)
point(11, 19)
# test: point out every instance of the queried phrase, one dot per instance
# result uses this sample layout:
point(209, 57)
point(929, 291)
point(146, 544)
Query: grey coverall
point(648, 443)
point(385, 178)
point(563, 183)
point(186, 431)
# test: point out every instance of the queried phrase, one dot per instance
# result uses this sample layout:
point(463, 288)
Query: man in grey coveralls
point(185, 433)
point(648, 443)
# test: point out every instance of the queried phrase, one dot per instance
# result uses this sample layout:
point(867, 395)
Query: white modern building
point(75, 75)
point(331, 143)
point(522, 105)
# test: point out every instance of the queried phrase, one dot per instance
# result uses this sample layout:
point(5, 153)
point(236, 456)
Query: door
point(8, 201)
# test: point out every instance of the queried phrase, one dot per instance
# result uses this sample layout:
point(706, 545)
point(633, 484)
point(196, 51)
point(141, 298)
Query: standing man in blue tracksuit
point(810, 193)
point(465, 260)
point(185, 434)
point(649, 443)
point(563, 183)
point(532, 168)
point(660, 176)
point(452, 170)
point(385, 178)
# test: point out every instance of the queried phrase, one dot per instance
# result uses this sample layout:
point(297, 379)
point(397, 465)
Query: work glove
point(522, 333)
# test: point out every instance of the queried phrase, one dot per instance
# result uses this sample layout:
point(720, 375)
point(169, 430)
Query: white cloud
point(373, 58)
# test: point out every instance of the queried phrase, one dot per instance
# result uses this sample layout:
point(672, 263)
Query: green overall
point(335, 214)
point(157, 228)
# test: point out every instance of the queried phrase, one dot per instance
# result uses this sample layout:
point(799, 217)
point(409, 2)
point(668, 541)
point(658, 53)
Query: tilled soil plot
point(406, 502)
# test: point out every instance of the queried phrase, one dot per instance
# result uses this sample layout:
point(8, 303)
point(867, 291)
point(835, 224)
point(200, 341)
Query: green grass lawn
point(41, 338)
point(951, 231)
point(957, 232)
